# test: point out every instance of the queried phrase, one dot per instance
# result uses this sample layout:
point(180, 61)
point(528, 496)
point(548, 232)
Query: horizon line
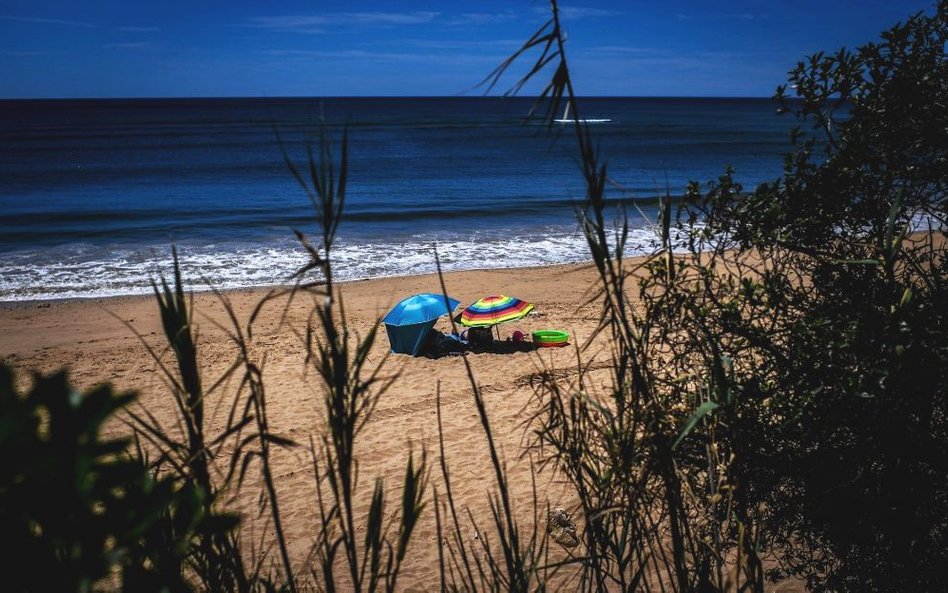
point(455, 96)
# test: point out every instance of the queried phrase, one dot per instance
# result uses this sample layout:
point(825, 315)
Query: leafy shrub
point(843, 408)
point(779, 391)
point(77, 510)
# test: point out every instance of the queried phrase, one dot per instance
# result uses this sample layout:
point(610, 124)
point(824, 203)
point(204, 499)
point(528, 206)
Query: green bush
point(779, 392)
point(79, 511)
point(843, 324)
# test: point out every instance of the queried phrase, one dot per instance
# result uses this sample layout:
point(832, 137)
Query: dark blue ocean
point(93, 193)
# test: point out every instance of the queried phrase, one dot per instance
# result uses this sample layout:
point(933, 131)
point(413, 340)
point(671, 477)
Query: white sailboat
point(566, 119)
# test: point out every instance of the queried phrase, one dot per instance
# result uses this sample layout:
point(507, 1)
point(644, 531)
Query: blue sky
point(132, 48)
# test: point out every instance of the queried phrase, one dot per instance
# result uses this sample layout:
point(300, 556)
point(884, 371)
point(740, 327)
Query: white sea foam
point(82, 271)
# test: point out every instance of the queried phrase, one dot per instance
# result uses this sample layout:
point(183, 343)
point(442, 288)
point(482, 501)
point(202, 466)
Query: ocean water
point(93, 193)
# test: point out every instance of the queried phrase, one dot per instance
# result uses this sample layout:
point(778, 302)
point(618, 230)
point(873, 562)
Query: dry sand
point(89, 337)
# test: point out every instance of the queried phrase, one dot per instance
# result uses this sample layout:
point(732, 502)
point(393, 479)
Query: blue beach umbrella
point(410, 321)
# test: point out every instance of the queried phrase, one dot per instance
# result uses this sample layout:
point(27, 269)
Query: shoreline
point(262, 289)
point(31, 328)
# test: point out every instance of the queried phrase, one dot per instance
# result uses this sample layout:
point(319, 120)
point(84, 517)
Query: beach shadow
point(503, 347)
point(497, 347)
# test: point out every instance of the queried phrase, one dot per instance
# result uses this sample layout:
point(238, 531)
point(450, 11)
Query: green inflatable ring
point(549, 338)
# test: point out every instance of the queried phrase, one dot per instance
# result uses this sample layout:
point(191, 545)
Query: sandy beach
point(91, 338)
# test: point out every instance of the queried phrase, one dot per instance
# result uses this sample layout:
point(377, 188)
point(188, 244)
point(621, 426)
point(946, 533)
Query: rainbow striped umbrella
point(493, 310)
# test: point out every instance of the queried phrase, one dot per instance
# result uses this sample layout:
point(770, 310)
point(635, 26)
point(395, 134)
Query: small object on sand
point(480, 336)
point(517, 336)
point(549, 338)
point(561, 528)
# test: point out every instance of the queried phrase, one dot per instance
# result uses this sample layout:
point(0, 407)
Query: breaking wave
point(85, 271)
